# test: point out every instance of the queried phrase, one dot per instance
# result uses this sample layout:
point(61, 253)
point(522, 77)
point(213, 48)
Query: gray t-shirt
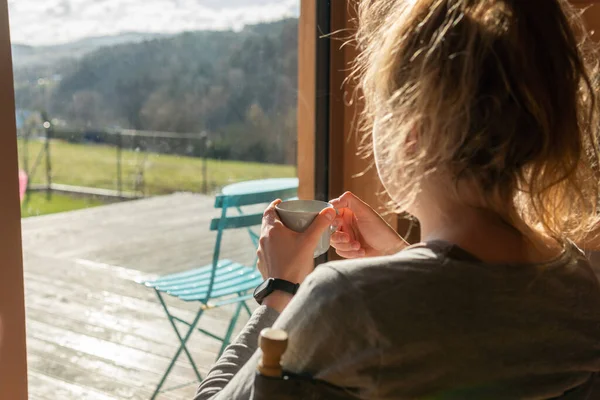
point(431, 322)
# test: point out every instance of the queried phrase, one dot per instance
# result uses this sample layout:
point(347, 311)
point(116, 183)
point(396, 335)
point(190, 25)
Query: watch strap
point(284, 286)
point(272, 284)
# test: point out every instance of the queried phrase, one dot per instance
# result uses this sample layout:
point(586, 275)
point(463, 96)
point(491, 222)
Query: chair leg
point(247, 309)
point(230, 329)
point(182, 347)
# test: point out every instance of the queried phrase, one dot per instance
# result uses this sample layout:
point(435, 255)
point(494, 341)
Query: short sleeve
point(331, 335)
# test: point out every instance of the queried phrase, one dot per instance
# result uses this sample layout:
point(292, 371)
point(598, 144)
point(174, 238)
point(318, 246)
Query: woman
point(484, 124)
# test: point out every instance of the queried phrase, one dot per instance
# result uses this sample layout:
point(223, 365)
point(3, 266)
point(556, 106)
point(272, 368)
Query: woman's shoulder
point(440, 269)
point(360, 281)
point(409, 263)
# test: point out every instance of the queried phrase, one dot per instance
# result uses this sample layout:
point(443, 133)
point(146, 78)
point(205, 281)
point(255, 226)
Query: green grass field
point(96, 166)
point(38, 204)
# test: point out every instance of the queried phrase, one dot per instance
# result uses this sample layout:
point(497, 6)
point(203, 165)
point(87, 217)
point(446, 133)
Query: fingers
point(321, 223)
point(345, 246)
point(354, 246)
point(349, 200)
point(351, 254)
point(340, 237)
point(342, 213)
point(344, 242)
point(271, 207)
point(270, 214)
point(343, 201)
point(349, 247)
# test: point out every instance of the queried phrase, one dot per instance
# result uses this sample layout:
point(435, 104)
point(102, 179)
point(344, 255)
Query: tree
point(240, 87)
point(87, 109)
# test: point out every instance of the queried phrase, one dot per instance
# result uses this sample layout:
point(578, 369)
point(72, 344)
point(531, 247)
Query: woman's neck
point(486, 234)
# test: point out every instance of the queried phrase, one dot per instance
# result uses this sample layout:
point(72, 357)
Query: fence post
point(119, 160)
point(206, 143)
point(48, 131)
point(204, 175)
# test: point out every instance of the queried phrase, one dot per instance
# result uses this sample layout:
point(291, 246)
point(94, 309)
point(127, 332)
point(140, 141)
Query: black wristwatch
point(273, 284)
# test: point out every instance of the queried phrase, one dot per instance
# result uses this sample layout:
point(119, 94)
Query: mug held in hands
point(297, 215)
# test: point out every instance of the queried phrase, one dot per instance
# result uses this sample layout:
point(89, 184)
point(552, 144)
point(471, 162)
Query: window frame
point(13, 354)
point(337, 165)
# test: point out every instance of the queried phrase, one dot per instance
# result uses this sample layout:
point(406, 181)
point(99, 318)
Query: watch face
point(262, 286)
point(262, 290)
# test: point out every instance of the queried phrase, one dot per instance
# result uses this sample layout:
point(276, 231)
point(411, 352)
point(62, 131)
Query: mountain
point(28, 56)
point(238, 86)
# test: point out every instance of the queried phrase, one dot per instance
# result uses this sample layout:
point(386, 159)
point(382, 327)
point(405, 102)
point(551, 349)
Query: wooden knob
point(273, 343)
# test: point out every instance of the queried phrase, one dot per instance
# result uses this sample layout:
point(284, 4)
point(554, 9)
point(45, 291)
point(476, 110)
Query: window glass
point(132, 117)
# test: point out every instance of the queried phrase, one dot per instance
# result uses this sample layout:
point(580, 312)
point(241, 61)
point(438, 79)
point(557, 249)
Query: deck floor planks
point(60, 389)
point(156, 235)
point(93, 331)
point(119, 314)
point(154, 345)
point(110, 308)
point(64, 363)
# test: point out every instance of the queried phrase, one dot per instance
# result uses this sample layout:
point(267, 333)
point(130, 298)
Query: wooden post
point(13, 356)
point(273, 343)
point(48, 129)
point(307, 40)
point(119, 164)
point(205, 166)
point(348, 170)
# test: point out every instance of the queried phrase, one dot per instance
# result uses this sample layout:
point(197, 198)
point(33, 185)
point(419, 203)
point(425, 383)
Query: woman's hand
point(285, 254)
point(361, 231)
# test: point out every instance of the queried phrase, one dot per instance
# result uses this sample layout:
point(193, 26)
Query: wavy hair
point(500, 92)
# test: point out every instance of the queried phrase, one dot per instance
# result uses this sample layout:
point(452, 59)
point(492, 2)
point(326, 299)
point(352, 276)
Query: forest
point(239, 88)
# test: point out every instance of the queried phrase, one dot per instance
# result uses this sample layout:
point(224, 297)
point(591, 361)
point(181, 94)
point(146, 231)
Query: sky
point(47, 22)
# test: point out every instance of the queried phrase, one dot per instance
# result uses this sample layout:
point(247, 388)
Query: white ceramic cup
point(297, 215)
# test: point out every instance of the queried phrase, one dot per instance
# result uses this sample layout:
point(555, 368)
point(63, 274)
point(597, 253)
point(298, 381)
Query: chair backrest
point(272, 382)
point(225, 222)
point(239, 200)
point(236, 221)
point(224, 202)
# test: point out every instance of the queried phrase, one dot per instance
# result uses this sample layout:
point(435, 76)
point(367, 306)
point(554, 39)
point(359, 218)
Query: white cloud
point(40, 22)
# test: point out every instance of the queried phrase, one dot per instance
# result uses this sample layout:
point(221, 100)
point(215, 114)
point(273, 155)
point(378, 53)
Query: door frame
point(13, 354)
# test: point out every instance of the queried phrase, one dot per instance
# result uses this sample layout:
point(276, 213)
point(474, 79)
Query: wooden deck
point(92, 331)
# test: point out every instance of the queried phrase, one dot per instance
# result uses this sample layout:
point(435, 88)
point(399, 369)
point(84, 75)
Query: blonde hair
point(499, 92)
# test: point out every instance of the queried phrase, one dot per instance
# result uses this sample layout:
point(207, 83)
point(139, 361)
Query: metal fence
point(142, 143)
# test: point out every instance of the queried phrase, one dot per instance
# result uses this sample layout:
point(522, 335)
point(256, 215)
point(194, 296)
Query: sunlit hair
point(497, 92)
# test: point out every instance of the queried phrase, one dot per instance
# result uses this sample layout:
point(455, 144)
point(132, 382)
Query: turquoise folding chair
point(223, 282)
